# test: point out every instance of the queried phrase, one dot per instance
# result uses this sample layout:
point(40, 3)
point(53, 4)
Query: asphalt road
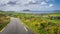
point(16, 27)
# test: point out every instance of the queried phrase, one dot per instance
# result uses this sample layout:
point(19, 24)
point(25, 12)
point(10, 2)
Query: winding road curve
point(16, 27)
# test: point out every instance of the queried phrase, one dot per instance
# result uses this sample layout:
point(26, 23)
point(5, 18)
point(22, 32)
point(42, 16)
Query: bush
point(36, 24)
point(43, 25)
point(52, 24)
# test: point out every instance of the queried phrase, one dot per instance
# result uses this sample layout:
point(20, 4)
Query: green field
point(4, 19)
point(41, 23)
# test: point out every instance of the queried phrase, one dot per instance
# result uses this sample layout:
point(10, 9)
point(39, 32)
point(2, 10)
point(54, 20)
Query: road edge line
point(25, 29)
point(26, 26)
point(2, 29)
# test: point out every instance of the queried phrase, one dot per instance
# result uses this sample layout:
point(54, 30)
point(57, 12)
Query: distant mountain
point(40, 12)
point(26, 10)
point(56, 11)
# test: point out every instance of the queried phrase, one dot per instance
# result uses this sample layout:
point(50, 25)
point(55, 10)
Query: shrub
point(36, 24)
point(52, 24)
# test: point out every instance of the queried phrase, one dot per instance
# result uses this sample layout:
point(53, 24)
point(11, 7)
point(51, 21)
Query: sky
point(34, 5)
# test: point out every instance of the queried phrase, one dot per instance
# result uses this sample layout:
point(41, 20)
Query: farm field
point(4, 19)
point(42, 23)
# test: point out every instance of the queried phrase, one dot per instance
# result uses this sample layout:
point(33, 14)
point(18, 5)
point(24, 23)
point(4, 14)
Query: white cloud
point(33, 1)
point(49, 0)
point(43, 3)
point(4, 1)
point(51, 5)
point(20, 5)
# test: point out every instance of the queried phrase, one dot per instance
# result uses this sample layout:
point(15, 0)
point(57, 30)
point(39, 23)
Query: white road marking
point(25, 29)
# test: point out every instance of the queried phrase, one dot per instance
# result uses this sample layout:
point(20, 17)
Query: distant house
point(26, 10)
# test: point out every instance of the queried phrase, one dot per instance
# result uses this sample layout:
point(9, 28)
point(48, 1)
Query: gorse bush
point(41, 23)
point(4, 20)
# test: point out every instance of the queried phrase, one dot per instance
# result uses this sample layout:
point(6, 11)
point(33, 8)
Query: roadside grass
point(4, 20)
point(42, 23)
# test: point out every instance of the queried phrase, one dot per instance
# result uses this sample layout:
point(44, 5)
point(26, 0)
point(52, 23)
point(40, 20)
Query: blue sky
point(35, 5)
